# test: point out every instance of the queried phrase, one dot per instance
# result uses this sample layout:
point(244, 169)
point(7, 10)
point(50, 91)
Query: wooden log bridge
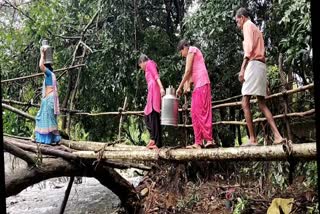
point(98, 160)
point(99, 150)
point(257, 153)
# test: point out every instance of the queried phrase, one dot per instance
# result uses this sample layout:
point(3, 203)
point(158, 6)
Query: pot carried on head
point(48, 53)
point(169, 108)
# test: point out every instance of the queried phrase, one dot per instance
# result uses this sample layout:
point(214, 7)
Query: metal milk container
point(48, 53)
point(169, 108)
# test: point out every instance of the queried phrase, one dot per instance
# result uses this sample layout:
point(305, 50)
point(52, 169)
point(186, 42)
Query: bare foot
point(210, 144)
point(151, 143)
point(280, 141)
point(194, 146)
point(153, 147)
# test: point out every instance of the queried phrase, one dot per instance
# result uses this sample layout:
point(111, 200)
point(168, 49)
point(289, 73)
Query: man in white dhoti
point(253, 75)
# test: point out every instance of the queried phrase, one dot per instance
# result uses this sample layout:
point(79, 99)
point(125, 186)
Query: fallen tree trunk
point(98, 146)
point(58, 167)
point(18, 147)
point(50, 168)
point(268, 153)
point(305, 151)
point(40, 148)
point(16, 151)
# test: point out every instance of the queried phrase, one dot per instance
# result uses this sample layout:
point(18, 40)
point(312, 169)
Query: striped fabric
point(46, 130)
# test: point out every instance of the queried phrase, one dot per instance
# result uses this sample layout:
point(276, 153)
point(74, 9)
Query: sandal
point(194, 146)
point(212, 144)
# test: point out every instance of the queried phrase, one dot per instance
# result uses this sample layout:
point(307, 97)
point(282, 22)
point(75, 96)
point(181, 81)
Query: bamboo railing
point(41, 74)
point(219, 104)
point(88, 150)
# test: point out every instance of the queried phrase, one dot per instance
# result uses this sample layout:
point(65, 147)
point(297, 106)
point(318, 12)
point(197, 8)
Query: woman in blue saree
point(46, 130)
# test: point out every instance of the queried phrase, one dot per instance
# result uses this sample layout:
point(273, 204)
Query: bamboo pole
point(66, 196)
point(185, 118)
point(10, 102)
point(294, 114)
point(40, 74)
point(285, 96)
point(227, 99)
point(17, 111)
point(238, 103)
point(121, 117)
point(139, 113)
point(303, 88)
point(257, 153)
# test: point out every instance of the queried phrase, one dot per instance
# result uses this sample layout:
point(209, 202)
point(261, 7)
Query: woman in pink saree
point(201, 112)
point(152, 109)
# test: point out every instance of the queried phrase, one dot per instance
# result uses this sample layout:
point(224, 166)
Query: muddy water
point(46, 197)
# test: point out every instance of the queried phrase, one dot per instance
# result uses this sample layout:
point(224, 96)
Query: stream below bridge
point(46, 197)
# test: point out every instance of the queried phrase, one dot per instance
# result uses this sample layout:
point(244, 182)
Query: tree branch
point(90, 22)
point(16, 151)
point(50, 168)
point(44, 149)
point(17, 111)
point(16, 8)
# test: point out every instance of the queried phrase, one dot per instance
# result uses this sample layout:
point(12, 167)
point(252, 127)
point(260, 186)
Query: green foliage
point(289, 30)
point(309, 170)
point(79, 133)
point(212, 28)
point(313, 210)
point(276, 173)
point(273, 76)
point(240, 206)
point(15, 125)
point(189, 201)
point(297, 20)
point(122, 31)
point(279, 175)
point(135, 131)
point(311, 174)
